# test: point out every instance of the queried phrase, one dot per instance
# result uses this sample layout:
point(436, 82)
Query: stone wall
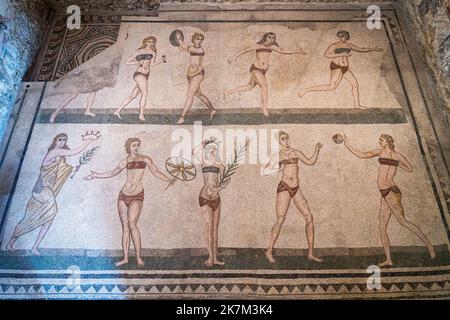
point(22, 26)
point(429, 24)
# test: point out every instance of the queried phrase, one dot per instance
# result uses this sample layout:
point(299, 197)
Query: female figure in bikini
point(391, 196)
point(259, 68)
point(289, 190)
point(131, 197)
point(144, 57)
point(209, 198)
point(339, 53)
point(195, 74)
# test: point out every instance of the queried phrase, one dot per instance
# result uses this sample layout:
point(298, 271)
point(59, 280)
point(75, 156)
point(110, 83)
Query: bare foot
point(269, 257)
point(89, 113)
point(208, 263)
point(53, 117)
point(266, 113)
point(211, 115)
point(180, 121)
point(432, 254)
point(35, 252)
point(121, 262)
point(117, 114)
point(141, 117)
point(219, 263)
point(386, 263)
point(361, 107)
point(302, 93)
point(314, 258)
point(140, 262)
point(10, 248)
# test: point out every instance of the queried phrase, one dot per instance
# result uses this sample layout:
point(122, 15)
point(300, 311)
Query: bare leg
point(385, 215)
point(216, 219)
point(41, 235)
point(90, 102)
point(123, 214)
point(394, 202)
point(335, 80)
point(302, 205)
point(251, 84)
point(194, 84)
point(134, 212)
point(350, 77)
point(63, 105)
point(133, 96)
point(260, 79)
point(206, 102)
point(282, 205)
point(142, 83)
point(207, 216)
point(10, 245)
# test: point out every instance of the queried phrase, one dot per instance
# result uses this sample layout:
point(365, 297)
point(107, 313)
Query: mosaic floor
point(280, 153)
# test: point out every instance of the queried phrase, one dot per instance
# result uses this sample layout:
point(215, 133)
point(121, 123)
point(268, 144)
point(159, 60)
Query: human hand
point(92, 176)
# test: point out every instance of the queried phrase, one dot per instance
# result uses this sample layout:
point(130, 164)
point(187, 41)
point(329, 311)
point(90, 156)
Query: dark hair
point(282, 133)
point(197, 34)
point(55, 139)
point(389, 140)
point(129, 142)
point(344, 33)
point(264, 38)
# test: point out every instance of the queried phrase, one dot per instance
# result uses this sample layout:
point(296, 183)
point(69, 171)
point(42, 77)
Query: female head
point(59, 142)
point(197, 39)
point(132, 145)
point(211, 150)
point(387, 141)
point(149, 42)
point(343, 35)
point(283, 139)
point(268, 39)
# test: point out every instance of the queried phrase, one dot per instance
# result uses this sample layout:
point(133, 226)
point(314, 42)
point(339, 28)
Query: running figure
point(131, 197)
point(209, 198)
point(144, 57)
point(195, 73)
point(259, 68)
point(288, 189)
point(339, 52)
point(391, 196)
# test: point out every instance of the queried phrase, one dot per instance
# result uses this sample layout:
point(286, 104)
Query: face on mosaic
point(260, 210)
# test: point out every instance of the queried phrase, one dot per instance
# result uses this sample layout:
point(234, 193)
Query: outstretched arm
point(283, 51)
point(237, 55)
point(363, 49)
point(69, 152)
point(155, 171)
point(361, 154)
point(182, 46)
point(108, 174)
point(311, 160)
point(404, 163)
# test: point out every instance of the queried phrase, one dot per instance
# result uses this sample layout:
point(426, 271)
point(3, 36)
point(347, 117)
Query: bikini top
point(289, 161)
point(389, 162)
point(198, 54)
point(264, 50)
point(212, 169)
point(342, 50)
point(136, 165)
point(144, 56)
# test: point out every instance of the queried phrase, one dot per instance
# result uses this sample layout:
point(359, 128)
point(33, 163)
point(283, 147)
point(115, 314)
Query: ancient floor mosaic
point(265, 154)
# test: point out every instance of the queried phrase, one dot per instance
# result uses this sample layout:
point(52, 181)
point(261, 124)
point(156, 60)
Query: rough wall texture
point(22, 25)
point(429, 23)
